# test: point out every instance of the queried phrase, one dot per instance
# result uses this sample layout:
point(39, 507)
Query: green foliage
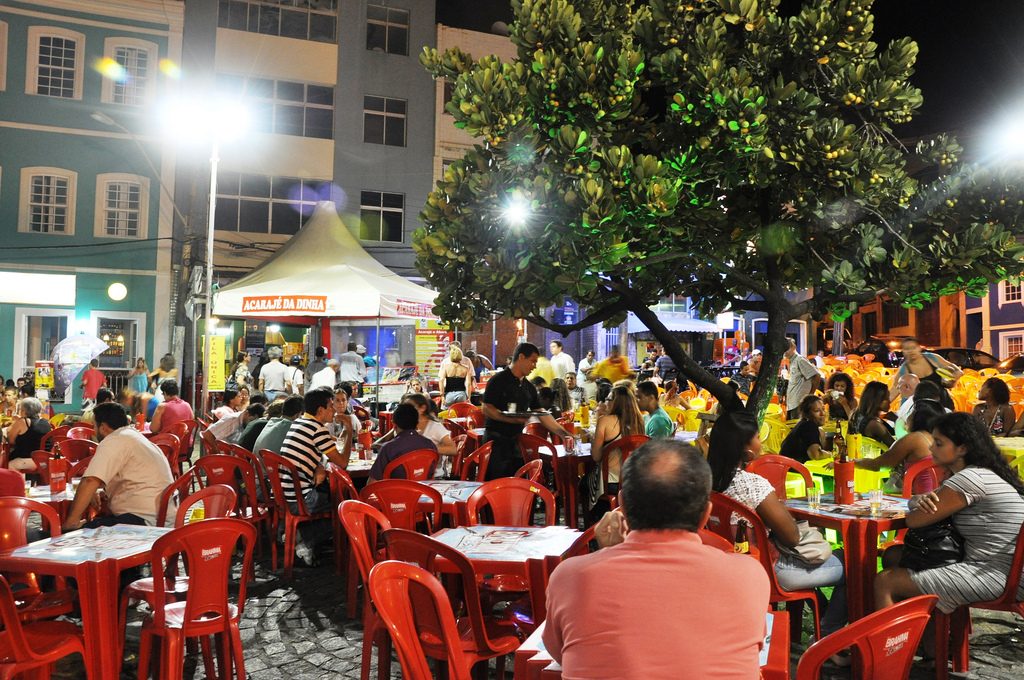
point(709, 148)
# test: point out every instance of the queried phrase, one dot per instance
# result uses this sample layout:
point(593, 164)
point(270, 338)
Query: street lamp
point(517, 211)
point(207, 124)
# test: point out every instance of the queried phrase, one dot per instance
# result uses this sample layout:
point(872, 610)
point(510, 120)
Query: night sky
point(970, 67)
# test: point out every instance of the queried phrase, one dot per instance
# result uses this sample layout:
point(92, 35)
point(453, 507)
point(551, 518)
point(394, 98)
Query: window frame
point(1005, 296)
point(35, 34)
point(1004, 342)
point(269, 201)
point(20, 342)
point(100, 219)
point(110, 46)
point(4, 46)
point(253, 25)
point(387, 24)
point(258, 100)
point(25, 192)
point(381, 209)
point(385, 114)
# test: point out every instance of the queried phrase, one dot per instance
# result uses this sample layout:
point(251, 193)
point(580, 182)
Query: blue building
point(85, 180)
point(995, 323)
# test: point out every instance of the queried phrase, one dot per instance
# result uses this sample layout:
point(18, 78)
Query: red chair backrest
point(277, 468)
point(511, 502)
point(581, 546)
point(464, 409)
point(412, 602)
point(774, 468)
point(79, 467)
point(167, 438)
point(76, 449)
point(218, 500)
point(625, 445)
point(454, 429)
point(12, 483)
point(720, 522)
point(408, 546)
point(342, 487)
point(536, 430)
point(80, 432)
point(415, 465)
point(185, 431)
point(531, 445)
point(13, 634)
point(533, 471)
point(922, 477)
point(363, 525)
point(229, 449)
point(233, 471)
point(42, 461)
point(53, 436)
point(208, 548)
point(176, 491)
point(714, 540)
point(14, 516)
point(475, 464)
point(400, 501)
point(1008, 598)
point(886, 641)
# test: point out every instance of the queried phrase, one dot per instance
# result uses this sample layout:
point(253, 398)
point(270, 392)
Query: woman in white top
point(734, 443)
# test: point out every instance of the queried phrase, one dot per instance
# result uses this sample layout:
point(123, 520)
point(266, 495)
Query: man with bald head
point(905, 386)
point(678, 608)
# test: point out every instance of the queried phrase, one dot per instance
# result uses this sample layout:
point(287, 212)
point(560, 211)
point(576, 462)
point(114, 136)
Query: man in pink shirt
point(656, 603)
point(92, 380)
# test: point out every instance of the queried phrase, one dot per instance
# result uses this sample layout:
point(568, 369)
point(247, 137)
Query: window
point(1012, 344)
point(260, 204)
point(381, 216)
point(122, 205)
point(3, 56)
point(384, 121)
point(134, 81)
point(47, 203)
point(1010, 293)
point(37, 330)
point(285, 107)
point(894, 315)
point(387, 29)
point(55, 62)
point(303, 19)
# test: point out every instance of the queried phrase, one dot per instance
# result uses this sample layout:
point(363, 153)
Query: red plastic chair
point(42, 461)
point(176, 492)
point(12, 483)
point(185, 431)
point(455, 429)
point(78, 469)
point(55, 435)
point(958, 623)
point(712, 539)
point(33, 603)
point(482, 637)
point(412, 602)
point(416, 465)
point(536, 430)
point(34, 646)
point(401, 499)
point(464, 409)
point(581, 546)
point(76, 449)
point(924, 468)
point(363, 526)
point(510, 501)
point(342, 489)
point(774, 468)
point(722, 510)
point(240, 474)
point(81, 432)
point(167, 438)
point(625, 445)
point(218, 501)
point(531, 446)
point(474, 465)
point(277, 468)
point(885, 640)
point(208, 548)
point(533, 471)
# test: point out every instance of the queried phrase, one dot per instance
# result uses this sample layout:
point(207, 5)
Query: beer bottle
point(58, 473)
point(742, 543)
point(840, 448)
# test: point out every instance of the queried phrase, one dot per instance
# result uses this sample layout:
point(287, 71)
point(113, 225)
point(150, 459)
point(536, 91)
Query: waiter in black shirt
point(509, 391)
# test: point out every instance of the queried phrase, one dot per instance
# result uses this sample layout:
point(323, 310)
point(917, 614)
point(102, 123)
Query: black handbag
point(936, 545)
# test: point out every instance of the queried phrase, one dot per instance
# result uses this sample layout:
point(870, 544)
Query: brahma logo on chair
point(398, 507)
point(210, 553)
point(895, 643)
point(419, 471)
point(217, 471)
point(285, 303)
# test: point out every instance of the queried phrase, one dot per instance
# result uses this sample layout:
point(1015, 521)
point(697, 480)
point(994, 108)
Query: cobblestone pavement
point(298, 631)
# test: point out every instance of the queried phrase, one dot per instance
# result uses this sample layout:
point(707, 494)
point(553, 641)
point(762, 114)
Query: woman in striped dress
point(983, 496)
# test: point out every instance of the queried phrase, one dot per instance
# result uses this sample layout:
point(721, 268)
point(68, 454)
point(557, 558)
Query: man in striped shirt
point(305, 446)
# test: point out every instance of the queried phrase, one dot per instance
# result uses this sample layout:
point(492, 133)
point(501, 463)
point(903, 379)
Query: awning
point(676, 322)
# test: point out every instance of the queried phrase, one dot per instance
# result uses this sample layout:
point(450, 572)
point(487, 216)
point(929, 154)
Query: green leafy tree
point(715, 149)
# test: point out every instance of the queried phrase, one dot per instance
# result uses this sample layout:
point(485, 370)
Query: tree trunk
point(684, 364)
point(775, 347)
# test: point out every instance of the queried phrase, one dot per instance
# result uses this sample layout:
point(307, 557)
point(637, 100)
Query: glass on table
point(875, 502)
point(813, 498)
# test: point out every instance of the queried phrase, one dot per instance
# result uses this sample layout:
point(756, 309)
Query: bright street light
point(517, 212)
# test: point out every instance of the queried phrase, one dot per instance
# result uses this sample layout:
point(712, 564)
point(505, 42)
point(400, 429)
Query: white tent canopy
point(323, 271)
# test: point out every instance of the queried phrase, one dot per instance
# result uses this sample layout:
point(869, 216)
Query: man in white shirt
point(326, 377)
point(350, 366)
point(561, 363)
point(132, 471)
point(906, 385)
point(274, 375)
point(803, 380)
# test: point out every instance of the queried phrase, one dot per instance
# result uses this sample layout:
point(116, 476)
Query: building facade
point(86, 184)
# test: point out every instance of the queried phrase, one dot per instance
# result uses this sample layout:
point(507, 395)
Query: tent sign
point(285, 303)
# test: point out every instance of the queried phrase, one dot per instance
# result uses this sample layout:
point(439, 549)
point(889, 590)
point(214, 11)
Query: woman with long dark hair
point(994, 411)
point(867, 419)
point(983, 498)
point(734, 443)
point(623, 418)
point(914, 446)
point(840, 397)
point(806, 441)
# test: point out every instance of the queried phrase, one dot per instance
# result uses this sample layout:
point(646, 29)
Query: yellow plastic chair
point(1018, 465)
point(988, 372)
point(773, 411)
point(698, 403)
point(56, 420)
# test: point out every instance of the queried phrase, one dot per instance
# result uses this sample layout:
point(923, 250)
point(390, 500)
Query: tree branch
point(598, 316)
point(753, 284)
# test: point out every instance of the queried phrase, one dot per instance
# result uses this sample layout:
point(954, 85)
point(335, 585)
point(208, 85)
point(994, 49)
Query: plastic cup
point(875, 502)
point(813, 499)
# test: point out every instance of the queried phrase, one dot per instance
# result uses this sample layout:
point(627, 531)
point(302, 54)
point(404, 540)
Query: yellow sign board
point(431, 346)
point(215, 371)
